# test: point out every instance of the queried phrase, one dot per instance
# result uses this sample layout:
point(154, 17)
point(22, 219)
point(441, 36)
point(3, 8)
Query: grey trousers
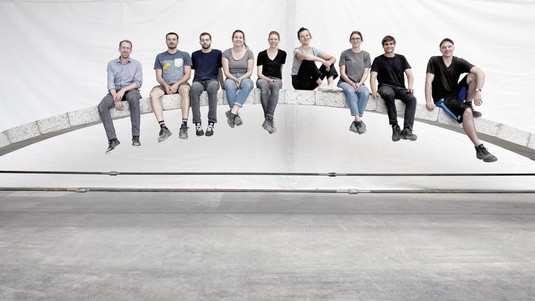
point(269, 95)
point(211, 86)
point(132, 97)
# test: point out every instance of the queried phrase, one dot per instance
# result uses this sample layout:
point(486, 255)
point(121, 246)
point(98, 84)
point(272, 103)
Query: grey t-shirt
point(238, 66)
point(297, 62)
point(172, 65)
point(355, 64)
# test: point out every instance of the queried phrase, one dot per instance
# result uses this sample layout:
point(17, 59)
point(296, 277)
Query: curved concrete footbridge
point(502, 135)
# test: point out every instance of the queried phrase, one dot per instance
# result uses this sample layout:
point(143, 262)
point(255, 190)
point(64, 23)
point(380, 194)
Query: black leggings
point(309, 73)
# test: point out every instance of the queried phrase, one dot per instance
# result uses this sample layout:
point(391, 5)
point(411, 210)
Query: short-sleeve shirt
point(206, 65)
point(238, 66)
point(271, 68)
point(391, 70)
point(297, 62)
point(355, 64)
point(446, 78)
point(172, 65)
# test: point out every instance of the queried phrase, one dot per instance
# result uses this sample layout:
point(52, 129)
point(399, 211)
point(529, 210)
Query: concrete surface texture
point(266, 246)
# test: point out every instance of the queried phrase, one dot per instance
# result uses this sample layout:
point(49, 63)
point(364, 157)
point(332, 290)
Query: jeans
point(210, 86)
point(309, 73)
point(132, 97)
point(356, 100)
point(237, 96)
point(269, 95)
point(389, 94)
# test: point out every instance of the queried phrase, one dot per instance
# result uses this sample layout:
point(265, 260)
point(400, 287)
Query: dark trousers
point(389, 94)
point(309, 73)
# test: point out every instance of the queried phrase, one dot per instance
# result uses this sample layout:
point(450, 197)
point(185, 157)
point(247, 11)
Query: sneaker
point(475, 113)
point(230, 118)
point(323, 87)
point(271, 126)
point(135, 141)
point(407, 134)
point(334, 88)
point(353, 127)
point(483, 154)
point(198, 130)
point(237, 120)
point(164, 134)
point(210, 129)
point(112, 145)
point(361, 127)
point(267, 125)
point(183, 134)
point(396, 133)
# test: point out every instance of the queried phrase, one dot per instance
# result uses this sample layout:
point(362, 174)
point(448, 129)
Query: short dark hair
point(205, 34)
point(171, 33)
point(125, 41)
point(388, 39)
point(446, 40)
point(301, 30)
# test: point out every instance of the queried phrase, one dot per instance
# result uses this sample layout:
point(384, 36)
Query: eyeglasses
point(355, 39)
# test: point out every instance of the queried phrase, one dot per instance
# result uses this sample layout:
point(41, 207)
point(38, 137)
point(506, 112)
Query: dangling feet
point(396, 133)
point(198, 129)
point(407, 134)
point(358, 127)
point(269, 126)
point(483, 154)
point(210, 129)
point(112, 144)
point(135, 141)
point(164, 132)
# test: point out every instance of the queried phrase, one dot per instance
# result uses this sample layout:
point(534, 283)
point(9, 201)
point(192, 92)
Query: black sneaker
point(198, 130)
point(407, 134)
point(112, 145)
point(483, 154)
point(135, 141)
point(164, 134)
point(475, 113)
point(230, 118)
point(237, 120)
point(361, 127)
point(210, 129)
point(183, 133)
point(271, 126)
point(396, 133)
point(353, 127)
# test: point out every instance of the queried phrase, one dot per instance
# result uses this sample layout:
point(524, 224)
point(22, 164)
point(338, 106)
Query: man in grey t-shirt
point(173, 70)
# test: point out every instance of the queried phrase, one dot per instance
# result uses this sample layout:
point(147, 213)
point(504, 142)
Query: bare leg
point(155, 96)
point(469, 127)
point(184, 100)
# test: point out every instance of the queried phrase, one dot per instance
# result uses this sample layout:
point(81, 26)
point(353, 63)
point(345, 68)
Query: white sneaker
point(335, 88)
point(324, 88)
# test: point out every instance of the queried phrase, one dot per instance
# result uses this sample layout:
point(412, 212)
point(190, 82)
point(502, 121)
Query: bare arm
point(429, 103)
point(410, 80)
point(480, 82)
point(373, 84)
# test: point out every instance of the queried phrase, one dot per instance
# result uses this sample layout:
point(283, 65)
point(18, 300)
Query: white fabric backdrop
point(54, 56)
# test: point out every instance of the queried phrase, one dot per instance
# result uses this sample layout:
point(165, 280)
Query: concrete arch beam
point(507, 137)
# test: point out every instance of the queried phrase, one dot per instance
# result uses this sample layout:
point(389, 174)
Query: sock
point(161, 123)
point(185, 121)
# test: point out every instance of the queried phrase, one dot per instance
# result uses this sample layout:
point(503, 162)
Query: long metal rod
point(245, 173)
point(256, 190)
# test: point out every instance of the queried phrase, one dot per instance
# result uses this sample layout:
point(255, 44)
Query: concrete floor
point(266, 246)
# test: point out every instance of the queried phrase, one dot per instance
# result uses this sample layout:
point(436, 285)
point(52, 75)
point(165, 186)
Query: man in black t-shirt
point(389, 70)
point(442, 86)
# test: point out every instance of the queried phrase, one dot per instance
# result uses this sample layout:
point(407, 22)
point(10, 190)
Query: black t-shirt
point(391, 70)
point(271, 68)
point(446, 78)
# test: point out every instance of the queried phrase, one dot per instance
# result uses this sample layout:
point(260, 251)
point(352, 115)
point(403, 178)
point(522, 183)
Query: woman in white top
point(237, 63)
